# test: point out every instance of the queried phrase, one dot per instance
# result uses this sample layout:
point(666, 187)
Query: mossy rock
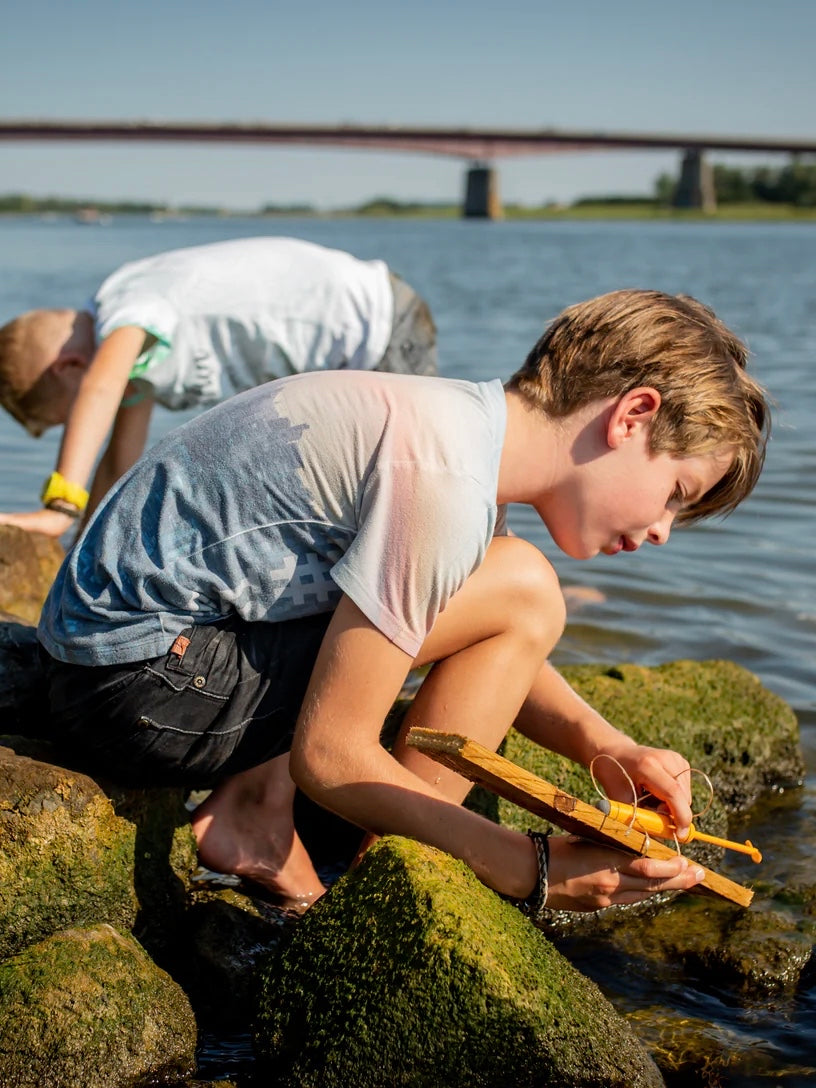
point(65, 857)
point(165, 857)
point(229, 935)
point(411, 973)
point(747, 953)
point(88, 1007)
point(717, 714)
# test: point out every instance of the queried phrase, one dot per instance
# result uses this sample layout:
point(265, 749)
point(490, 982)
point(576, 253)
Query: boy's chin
point(577, 549)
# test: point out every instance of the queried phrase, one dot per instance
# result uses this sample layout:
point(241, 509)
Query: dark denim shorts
point(225, 698)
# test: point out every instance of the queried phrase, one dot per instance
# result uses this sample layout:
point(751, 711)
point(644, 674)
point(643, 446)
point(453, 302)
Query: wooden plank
point(514, 783)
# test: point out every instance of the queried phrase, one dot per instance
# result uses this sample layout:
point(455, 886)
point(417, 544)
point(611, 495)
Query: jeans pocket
point(204, 658)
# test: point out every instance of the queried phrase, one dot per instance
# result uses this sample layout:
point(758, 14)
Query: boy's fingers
point(650, 875)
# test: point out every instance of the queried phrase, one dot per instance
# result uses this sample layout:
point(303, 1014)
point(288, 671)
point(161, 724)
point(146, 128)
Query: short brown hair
point(25, 386)
point(625, 339)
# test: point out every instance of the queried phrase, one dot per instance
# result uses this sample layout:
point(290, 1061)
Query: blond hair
point(26, 383)
point(617, 342)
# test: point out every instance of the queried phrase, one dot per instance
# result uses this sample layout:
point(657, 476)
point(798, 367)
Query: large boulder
point(411, 972)
point(72, 854)
point(88, 1007)
point(28, 565)
point(66, 859)
point(717, 714)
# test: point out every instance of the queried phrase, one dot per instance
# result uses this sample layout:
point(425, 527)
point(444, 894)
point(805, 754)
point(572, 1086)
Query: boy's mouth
point(622, 544)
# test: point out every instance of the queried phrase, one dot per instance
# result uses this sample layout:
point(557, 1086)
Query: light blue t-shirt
point(272, 504)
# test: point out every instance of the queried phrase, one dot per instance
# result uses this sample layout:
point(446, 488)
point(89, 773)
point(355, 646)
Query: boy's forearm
point(97, 403)
point(373, 791)
point(124, 448)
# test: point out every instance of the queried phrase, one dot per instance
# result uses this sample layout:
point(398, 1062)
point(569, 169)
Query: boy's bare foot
point(245, 828)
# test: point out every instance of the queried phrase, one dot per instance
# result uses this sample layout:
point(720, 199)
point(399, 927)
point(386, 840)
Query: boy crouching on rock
point(244, 606)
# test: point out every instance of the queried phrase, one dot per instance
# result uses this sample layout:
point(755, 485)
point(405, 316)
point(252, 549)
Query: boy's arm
point(125, 447)
point(93, 411)
point(338, 760)
point(556, 717)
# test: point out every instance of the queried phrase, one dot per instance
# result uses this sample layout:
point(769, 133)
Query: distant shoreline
point(625, 208)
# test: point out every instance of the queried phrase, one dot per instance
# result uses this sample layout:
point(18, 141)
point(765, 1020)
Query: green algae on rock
point(411, 972)
point(65, 858)
point(229, 934)
point(749, 954)
point(715, 713)
point(88, 1007)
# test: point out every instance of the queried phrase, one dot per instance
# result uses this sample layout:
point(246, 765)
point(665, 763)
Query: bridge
point(481, 147)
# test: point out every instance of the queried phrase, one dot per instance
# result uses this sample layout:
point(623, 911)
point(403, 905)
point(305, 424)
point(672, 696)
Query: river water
point(743, 588)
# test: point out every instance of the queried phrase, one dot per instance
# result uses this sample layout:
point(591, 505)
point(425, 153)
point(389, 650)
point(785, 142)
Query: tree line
point(794, 183)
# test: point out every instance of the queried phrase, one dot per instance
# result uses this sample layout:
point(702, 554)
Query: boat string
point(649, 821)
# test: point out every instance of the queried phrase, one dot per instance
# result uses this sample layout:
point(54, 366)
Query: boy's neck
point(80, 335)
point(528, 462)
point(541, 453)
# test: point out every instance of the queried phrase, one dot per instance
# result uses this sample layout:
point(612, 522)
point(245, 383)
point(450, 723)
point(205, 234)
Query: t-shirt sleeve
point(420, 537)
point(115, 309)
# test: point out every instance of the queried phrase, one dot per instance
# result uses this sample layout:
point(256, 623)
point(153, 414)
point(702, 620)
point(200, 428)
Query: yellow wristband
point(57, 487)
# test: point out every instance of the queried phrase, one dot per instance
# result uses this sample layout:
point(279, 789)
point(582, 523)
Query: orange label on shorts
point(179, 647)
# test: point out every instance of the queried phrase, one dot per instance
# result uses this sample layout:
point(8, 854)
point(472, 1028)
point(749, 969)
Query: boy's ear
point(631, 411)
point(69, 359)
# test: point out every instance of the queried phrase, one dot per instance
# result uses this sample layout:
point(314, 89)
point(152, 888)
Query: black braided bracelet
point(533, 906)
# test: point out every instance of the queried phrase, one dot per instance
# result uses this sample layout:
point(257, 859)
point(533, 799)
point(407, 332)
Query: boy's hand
point(47, 522)
point(584, 876)
point(658, 771)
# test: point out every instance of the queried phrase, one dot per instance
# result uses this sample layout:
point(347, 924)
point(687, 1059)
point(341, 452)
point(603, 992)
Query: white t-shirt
point(380, 486)
point(232, 315)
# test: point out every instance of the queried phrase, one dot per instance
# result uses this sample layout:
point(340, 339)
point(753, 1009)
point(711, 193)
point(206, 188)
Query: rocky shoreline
point(114, 953)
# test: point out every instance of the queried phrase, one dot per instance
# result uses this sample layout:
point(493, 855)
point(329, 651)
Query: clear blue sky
point(742, 67)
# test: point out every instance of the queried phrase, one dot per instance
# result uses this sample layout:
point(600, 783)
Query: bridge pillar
point(695, 189)
point(482, 199)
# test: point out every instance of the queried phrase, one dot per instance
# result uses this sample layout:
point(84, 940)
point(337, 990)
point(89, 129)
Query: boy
point(187, 329)
point(245, 605)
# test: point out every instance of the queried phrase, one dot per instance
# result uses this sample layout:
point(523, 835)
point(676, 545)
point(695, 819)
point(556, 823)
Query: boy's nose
point(659, 531)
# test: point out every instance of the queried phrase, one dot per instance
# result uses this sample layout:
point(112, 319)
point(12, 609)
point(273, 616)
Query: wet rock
point(694, 1052)
point(748, 954)
point(65, 857)
point(230, 934)
point(88, 1007)
point(755, 953)
point(411, 972)
point(719, 715)
point(28, 565)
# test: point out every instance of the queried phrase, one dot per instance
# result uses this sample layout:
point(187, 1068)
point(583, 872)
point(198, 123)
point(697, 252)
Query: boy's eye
point(678, 495)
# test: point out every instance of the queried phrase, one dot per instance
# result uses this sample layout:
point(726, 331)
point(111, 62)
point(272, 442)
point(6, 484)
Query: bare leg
point(489, 644)
point(246, 827)
point(512, 612)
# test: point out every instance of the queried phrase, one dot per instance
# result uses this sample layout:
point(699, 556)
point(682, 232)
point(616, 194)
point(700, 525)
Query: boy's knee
point(533, 592)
